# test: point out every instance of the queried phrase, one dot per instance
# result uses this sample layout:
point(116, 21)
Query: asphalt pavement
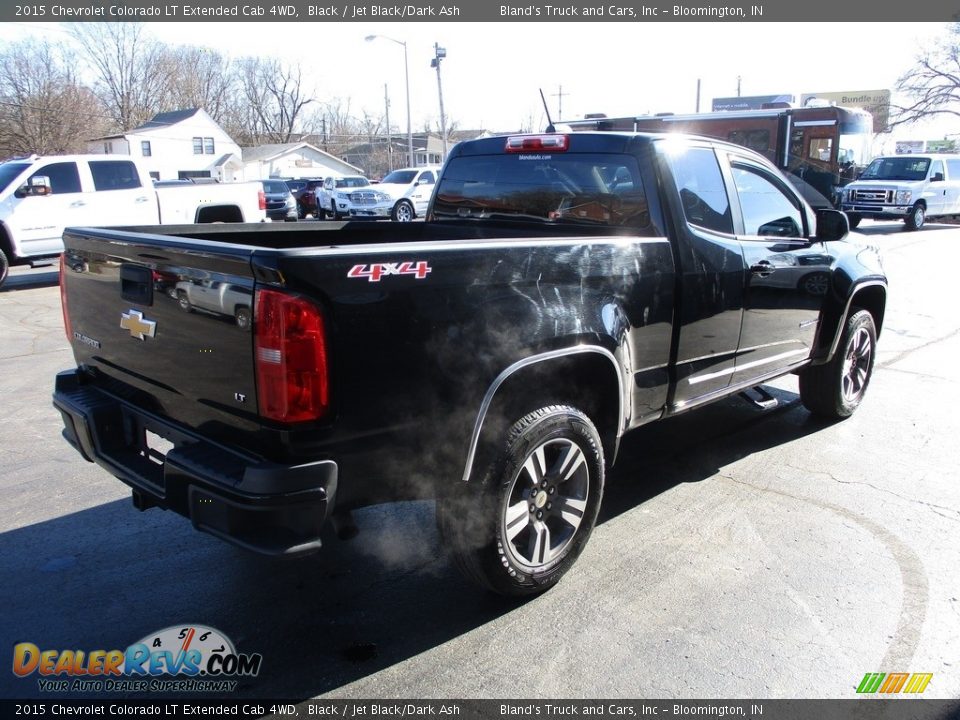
point(740, 553)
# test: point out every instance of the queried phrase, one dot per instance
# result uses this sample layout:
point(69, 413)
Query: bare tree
point(134, 72)
point(273, 101)
point(203, 79)
point(932, 85)
point(44, 108)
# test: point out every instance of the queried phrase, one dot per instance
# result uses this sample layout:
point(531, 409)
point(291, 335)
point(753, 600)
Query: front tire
point(916, 217)
point(403, 212)
point(854, 220)
point(4, 267)
point(836, 389)
point(524, 527)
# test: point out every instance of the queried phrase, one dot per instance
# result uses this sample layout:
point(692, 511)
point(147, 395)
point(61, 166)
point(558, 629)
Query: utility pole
point(439, 54)
point(386, 104)
point(698, 95)
point(738, 86)
point(560, 95)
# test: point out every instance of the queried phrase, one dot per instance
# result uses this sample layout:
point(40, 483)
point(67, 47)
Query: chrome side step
point(762, 399)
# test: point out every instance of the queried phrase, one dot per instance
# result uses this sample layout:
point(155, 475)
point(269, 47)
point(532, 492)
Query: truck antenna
point(546, 109)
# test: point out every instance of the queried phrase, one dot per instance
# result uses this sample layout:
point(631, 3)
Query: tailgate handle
point(136, 284)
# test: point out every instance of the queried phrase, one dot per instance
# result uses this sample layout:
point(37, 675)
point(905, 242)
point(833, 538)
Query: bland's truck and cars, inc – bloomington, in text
point(564, 289)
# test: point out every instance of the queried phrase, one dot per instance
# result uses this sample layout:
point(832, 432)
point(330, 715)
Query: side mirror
point(37, 185)
point(831, 225)
point(937, 177)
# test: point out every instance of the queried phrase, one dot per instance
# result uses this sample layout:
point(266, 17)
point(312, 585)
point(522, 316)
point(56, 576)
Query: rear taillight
point(291, 358)
point(536, 143)
point(262, 199)
point(67, 327)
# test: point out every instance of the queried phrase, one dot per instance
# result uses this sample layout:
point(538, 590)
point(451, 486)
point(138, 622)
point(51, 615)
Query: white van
point(912, 188)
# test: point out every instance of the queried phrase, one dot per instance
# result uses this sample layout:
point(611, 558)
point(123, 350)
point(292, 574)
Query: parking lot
point(740, 553)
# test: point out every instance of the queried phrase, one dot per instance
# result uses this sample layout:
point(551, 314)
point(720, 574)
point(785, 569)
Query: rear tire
point(836, 389)
point(524, 526)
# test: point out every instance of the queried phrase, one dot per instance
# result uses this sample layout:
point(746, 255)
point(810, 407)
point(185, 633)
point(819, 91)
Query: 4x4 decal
point(375, 271)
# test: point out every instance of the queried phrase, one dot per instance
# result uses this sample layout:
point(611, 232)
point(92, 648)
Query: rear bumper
point(265, 507)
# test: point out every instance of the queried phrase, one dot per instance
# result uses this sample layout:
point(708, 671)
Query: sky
point(493, 72)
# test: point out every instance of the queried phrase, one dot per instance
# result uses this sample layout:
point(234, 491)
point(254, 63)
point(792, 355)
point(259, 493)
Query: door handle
point(143, 199)
point(78, 203)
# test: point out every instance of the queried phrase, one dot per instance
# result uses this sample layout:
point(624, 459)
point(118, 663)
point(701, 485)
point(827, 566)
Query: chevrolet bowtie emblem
point(138, 327)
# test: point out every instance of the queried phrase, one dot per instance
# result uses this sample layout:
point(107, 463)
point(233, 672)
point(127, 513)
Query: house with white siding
point(293, 160)
point(177, 145)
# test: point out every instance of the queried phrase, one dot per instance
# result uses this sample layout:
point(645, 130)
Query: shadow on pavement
point(107, 576)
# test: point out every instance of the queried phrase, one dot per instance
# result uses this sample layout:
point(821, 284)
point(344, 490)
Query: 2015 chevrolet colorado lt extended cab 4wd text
point(564, 289)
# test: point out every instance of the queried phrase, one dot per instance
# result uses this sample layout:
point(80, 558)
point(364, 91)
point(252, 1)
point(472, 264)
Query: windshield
point(275, 186)
point(400, 177)
point(9, 172)
point(854, 149)
point(906, 167)
point(596, 189)
point(352, 182)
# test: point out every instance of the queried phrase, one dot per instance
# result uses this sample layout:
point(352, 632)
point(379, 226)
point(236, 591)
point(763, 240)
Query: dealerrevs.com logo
point(180, 658)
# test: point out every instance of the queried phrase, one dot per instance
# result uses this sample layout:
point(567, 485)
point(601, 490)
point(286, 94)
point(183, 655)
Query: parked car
point(307, 198)
point(402, 195)
point(333, 200)
point(280, 202)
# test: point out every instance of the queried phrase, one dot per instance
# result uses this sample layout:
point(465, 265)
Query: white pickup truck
point(40, 196)
point(401, 196)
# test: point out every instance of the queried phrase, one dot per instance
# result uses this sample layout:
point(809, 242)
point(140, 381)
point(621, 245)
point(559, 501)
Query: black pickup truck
point(563, 290)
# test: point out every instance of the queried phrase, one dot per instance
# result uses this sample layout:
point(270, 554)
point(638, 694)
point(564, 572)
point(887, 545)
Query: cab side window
point(426, 178)
point(64, 177)
point(936, 168)
point(767, 210)
point(702, 192)
point(114, 175)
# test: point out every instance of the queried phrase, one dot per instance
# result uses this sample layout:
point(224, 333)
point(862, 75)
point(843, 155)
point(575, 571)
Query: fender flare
point(489, 396)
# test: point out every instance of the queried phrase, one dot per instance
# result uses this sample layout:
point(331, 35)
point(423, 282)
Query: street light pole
point(439, 54)
point(406, 72)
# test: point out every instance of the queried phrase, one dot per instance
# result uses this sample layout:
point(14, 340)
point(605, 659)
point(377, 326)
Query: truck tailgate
point(165, 324)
